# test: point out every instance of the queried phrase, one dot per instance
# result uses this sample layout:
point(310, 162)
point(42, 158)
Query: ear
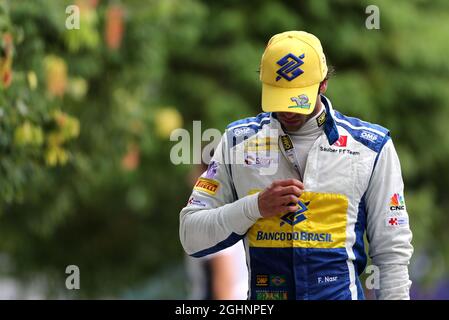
point(323, 86)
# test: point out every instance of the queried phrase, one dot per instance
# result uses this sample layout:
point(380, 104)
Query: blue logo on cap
point(290, 67)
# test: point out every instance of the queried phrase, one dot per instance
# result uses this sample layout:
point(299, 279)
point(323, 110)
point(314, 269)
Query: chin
point(293, 123)
point(293, 127)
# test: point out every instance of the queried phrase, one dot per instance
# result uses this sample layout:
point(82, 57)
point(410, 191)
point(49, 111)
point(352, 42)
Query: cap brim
point(277, 99)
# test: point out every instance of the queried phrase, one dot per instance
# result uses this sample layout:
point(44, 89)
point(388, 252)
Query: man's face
point(292, 121)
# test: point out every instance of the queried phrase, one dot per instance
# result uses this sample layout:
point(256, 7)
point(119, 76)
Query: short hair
point(330, 72)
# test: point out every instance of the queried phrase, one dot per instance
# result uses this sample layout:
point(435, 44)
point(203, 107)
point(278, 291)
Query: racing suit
point(353, 185)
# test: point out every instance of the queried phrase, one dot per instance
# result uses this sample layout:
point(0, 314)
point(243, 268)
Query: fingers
point(280, 196)
point(288, 182)
point(290, 190)
point(287, 200)
point(292, 208)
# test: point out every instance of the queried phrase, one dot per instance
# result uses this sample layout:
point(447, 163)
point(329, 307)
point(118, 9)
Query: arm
point(388, 228)
point(213, 220)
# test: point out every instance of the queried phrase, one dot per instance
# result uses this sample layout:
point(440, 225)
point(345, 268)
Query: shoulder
point(251, 122)
point(371, 135)
point(245, 128)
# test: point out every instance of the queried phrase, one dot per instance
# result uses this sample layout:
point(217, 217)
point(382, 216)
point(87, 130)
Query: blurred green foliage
point(85, 174)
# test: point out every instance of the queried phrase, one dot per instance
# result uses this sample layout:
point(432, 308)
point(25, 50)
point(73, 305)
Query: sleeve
point(388, 230)
point(212, 219)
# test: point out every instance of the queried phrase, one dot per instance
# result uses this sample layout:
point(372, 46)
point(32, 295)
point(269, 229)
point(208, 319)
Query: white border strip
point(250, 123)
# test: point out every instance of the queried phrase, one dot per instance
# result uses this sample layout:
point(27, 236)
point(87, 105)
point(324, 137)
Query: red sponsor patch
point(341, 142)
point(393, 221)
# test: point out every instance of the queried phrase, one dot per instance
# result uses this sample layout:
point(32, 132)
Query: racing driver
point(301, 184)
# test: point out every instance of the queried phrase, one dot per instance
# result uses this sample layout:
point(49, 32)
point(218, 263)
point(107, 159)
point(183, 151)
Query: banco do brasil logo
point(289, 69)
point(293, 218)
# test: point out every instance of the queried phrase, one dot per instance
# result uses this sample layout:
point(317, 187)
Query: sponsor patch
point(254, 160)
point(271, 295)
point(369, 136)
point(319, 223)
point(212, 170)
point(341, 142)
point(321, 119)
point(277, 280)
point(261, 280)
point(242, 131)
point(195, 202)
point(206, 185)
point(261, 144)
point(293, 218)
point(395, 221)
point(339, 151)
point(290, 64)
point(302, 102)
point(253, 191)
point(303, 236)
point(286, 142)
point(397, 202)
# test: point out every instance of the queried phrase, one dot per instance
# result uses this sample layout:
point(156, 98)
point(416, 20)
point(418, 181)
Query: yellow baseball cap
point(292, 67)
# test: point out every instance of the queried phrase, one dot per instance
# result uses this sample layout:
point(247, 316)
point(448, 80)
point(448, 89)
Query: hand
point(280, 196)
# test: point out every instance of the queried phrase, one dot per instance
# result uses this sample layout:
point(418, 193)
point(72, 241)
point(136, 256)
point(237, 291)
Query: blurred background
point(86, 115)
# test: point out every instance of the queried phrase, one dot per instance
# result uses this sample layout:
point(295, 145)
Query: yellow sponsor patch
point(319, 222)
point(261, 144)
point(262, 280)
point(207, 185)
point(321, 119)
point(286, 142)
point(253, 191)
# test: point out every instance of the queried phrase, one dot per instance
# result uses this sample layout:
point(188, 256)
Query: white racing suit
point(353, 185)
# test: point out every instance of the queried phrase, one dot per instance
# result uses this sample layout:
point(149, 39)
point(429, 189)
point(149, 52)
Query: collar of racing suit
point(330, 128)
point(310, 128)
